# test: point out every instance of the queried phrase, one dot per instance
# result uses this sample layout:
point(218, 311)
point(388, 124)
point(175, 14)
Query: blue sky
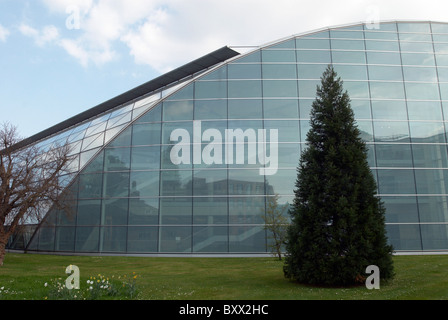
point(61, 57)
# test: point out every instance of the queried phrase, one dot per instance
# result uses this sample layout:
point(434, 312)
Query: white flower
point(46, 284)
point(90, 288)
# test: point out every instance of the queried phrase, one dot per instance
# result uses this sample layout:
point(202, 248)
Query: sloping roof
point(182, 72)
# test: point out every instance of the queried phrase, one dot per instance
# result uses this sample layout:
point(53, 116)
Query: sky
point(59, 58)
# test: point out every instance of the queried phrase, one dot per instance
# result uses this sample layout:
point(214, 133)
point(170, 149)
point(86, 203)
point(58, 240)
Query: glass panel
point(119, 120)
point(143, 239)
point(284, 44)
point(175, 239)
point(288, 130)
point(401, 209)
point(92, 142)
point(89, 212)
point(391, 58)
point(218, 74)
point(245, 182)
point(176, 157)
point(282, 183)
point(396, 181)
point(117, 159)
point(433, 209)
point(247, 239)
point(210, 210)
point(387, 90)
point(210, 89)
point(144, 184)
point(87, 239)
point(123, 139)
point(143, 211)
point(176, 183)
point(276, 109)
point(439, 27)
point(175, 211)
point(244, 71)
point(361, 108)
point(278, 55)
point(185, 93)
point(431, 181)
point(422, 91)
point(430, 156)
point(379, 35)
point(279, 88)
point(113, 239)
point(116, 184)
point(210, 182)
point(441, 48)
point(317, 56)
point(385, 73)
point(210, 109)
point(248, 210)
point(310, 71)
point(405, 237)
point(388, 131)
point(349, 57)
point(146, 134)
point(394, 155)
point(306, 43)
point(90, 185)
point(343, 34)
point(46, 238)
point(415, 37)
point(347, 44)
point(414, 27)
point(145, 158)
point(427, 132)
point(178, 110)
point(389, 109)
point(442, 60)
point(434, 237)
point(420, 74)
point(245, 109)
point(115, 212)
point(169, 127)
point(424, 110)
point(382, 45)
point(307, 89)
point(357, 89)
point(245, 89)
point(416, 46)
point(442, 74)
point(347, 72)
point(65, 239)
point(418, 59)
point(210, 239)
point(154, 115)
point(250, 58)
point(279, 71)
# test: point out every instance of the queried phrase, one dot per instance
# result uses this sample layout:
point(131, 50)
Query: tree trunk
point(3, 242)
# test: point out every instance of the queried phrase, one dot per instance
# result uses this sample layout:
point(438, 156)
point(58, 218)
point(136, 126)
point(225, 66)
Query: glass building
point(157, 172)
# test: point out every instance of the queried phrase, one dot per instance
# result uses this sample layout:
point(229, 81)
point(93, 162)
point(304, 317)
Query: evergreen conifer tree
point(338, 222)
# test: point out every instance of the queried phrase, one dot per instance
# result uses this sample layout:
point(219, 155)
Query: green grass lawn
point(23, 277)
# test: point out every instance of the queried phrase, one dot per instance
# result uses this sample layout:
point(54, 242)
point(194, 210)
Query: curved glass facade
point(190, 171)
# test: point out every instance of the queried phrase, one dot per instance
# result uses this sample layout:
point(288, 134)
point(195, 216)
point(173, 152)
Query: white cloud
point(4, 33)
point(167, 33)
point(48, 34)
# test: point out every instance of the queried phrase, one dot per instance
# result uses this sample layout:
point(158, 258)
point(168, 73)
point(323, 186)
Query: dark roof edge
point(177, 74)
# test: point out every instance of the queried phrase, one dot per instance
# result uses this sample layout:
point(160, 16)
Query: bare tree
point(277, 223)
point(29, 182)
